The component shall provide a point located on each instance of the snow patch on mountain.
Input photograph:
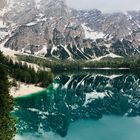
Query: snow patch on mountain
(112, 55)
(38, 3)
(3, 34)
(128, 16)
(2, 24)
(91, 34)
(31, 23)
(42, 52)
(36, 21)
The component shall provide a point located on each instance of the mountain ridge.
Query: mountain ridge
(52, 29)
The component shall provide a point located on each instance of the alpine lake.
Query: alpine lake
(86, 105)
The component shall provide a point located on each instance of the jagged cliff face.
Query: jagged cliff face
(117, 25)
(51, 29)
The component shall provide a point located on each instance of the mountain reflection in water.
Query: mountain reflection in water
(78, 96)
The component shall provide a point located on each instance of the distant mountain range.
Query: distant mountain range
(50, 28)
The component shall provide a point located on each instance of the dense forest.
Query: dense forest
(17, 71)
(132, 63)
(7, 123)
(22, 72)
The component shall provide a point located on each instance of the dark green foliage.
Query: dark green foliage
(65, 65)
(45, 78)
(19, 72)
(7, 123)
(24, 73)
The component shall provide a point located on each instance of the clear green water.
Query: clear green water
(84, 106)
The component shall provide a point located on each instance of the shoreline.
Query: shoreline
(24, 90)
(105, 68)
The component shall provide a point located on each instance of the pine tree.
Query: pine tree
(7, 124)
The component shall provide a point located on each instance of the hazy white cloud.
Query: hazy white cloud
(105, 5)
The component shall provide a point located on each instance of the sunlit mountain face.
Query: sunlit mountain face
(78, 96)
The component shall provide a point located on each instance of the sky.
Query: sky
(107, 6)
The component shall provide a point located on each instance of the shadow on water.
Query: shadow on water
(76, 96)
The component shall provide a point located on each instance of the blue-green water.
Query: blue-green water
(108, 128)
(91, 106)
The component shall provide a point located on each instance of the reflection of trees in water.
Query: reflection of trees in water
(57, 108)
(7, 124)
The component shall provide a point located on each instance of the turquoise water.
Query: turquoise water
(108, 128)
(91, 106)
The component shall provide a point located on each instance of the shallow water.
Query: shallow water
(97, 106)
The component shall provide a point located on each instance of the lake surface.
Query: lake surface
(82, 106)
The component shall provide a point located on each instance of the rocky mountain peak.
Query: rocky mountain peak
(54, 8)
(50, 28)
